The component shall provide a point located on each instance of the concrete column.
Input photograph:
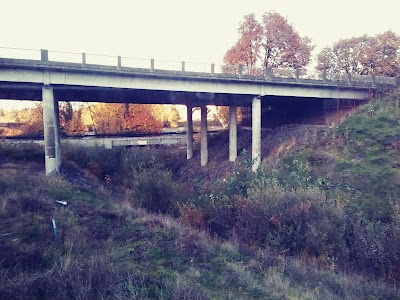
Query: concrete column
(52, 148)
(204, 144)
(189, 132)
(57, 132)
(256, 133)
(232, 133)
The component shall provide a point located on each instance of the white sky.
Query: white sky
(193, 31)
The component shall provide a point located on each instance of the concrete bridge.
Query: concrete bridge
(50, 81)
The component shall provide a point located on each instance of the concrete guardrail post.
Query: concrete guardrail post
(44, 55)
(119, 62)
(324, 75)
(83, 59)
(349, 78)
(152, 65)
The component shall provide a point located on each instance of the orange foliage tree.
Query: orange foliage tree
(32, 119)
(118, 118)
(71, 119)
(222, 114)
(275, 42)
(246, 51)
(364, 55)
(167, 114)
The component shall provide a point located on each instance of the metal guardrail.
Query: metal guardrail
(87, 59)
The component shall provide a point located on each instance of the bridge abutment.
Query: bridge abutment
(232, 133)
(51, 130)
(256, 133)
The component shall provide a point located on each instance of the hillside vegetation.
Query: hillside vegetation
(323, 222)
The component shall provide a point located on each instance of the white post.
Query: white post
(52, 148)
(204, 144)
(232, 133)
(189, 132)
(256, 134)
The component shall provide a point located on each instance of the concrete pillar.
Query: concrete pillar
(189, 132)
(256, 133)
(204, 144)
(232, 133)
(52, 147)
(58, 130)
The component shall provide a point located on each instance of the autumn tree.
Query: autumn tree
(246, 51)
(71, 122)
(139, 117)
(222, 115)
(119, 118)
(283, 46)
(32, 119)
(384, 55)
(364, 55)
(274, 43)
(167, 114)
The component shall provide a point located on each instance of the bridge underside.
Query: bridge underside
(276, 110)
(33, 92)
(267, 111)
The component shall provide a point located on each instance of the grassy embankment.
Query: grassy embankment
(303, 229)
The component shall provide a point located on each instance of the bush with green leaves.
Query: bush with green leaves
(153, 188)
(292, 221)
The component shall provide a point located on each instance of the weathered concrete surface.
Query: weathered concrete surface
(204, 137)
(189, 132)
(232, 133)
(51, 131)
(78, 82)
(256, 134)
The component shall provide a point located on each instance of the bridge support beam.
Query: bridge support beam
(204, 142)
(256, 134)
(52, 147)
(189, 132)
(232, 133)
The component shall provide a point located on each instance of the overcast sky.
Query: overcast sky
(196, 31)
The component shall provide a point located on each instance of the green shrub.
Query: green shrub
(154, 189)
(292, 221)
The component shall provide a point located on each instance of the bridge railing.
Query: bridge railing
(20, 53)
(153, 65)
